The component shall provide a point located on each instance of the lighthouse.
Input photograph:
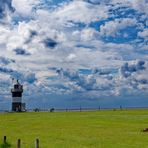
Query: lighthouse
(17, 91)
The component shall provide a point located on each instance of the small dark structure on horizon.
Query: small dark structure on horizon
(52, 110)
(17, 90)
(145, 130)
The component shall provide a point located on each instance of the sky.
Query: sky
(72, 53)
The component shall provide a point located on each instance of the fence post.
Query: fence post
(5, 139)
(80, 109)
(120, 107)
(19, 143)
(37, 143)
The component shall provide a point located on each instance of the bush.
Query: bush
(52, 110)
(5, 145)
(36, 109)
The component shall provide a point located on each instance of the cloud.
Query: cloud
(6, 9)
(25, 7)
(30, 78)
(21, 51)
(99, 45)
(6, 61)
(113, 28)
(71, 57)
(139, 5)
(77, 79)
(101, 71)
(106, 82)
(5, 70)
(50, 43)
(32, 35)
(77, 11)
(143, 34)
(98, 1)
(25, 77)
(127, 70)
(85, 83)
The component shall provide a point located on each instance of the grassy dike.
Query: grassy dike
(100, 129)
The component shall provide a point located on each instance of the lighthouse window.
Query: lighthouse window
(17, 94)
(16, 86)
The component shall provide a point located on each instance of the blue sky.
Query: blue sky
(71, 53)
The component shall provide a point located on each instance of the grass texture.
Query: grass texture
(90, 129)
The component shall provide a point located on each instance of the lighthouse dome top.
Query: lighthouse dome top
(17, 87)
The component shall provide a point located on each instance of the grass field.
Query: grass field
(93, 129)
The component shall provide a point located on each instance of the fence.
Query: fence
(81, 109)
(85, 109)
(18, 143)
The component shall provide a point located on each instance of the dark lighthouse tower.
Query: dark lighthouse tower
(17, 91)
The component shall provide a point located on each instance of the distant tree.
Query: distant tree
(52, 110)
(36, 110)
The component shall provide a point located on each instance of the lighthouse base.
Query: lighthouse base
(16, 107)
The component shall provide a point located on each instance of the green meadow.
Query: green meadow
(89, 129)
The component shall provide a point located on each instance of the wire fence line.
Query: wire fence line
(80, 109)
